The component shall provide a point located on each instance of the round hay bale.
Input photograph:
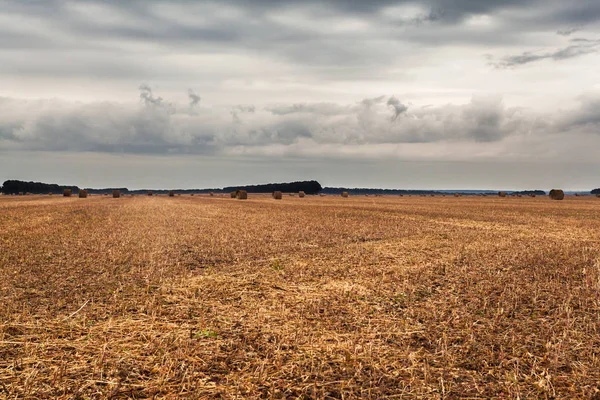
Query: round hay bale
(20, 193)
(322, 194)
(233, 195)
(502, 194)
(519, 195)
(557, 194)
(456, 194)
(241, 195)
(531, 194)
(344, 194)
(116, 194)
(212, 194)
(598, 195)
(171, 193)
(67, 193)
(149, 192)
(277, 195)
(83, 194)
(301, 194)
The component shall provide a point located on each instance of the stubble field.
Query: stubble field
(321, 297)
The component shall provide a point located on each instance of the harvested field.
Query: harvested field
(321, 297)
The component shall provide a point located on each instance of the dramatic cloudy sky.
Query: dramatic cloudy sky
(380, 93)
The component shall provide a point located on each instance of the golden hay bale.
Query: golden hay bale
(171, 193)
(67, 193)
(233, 195)
(116, 194)
(502, 194)
(519, 195)
(598, 195)
(241, 195)
(322, 194)
(344, 194)
(212, 194)
(456, 194)
(301, 194)
(277, 195)
(557, 194)
(49, 193)
(20, 193)
(83, 194)
(531, 194)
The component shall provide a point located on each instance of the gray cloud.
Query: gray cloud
(580, 47)
(398, 107)
(194, 98)
(52, 125)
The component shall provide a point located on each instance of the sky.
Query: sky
(424, 94)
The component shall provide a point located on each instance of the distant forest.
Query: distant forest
(309, 187)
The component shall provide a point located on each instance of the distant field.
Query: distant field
(321, 297)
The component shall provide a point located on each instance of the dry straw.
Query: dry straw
(116, 194)
(344, 194)
(557, 194)
(277, 195)
(83, 194)
(241, 195)
(67, 193)
(301, 194)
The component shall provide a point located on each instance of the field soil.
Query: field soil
(316, 297)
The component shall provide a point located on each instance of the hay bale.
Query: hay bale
(291, 194)
(456, 194)
(67, 193)
(171, 193)
(301, 194)
(557, 194)
(531, 194)
(277, 195)
(212, 194)
(116, 194)
(233, 195)
(502, 194)
(241, 195)
(598, 195)
(149, 192)
(20, 193)
(344, 194)
(322, 194)
(83, 194)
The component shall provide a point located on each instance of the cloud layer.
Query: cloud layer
(157, 126)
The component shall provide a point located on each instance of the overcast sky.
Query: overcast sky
(426, 94)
